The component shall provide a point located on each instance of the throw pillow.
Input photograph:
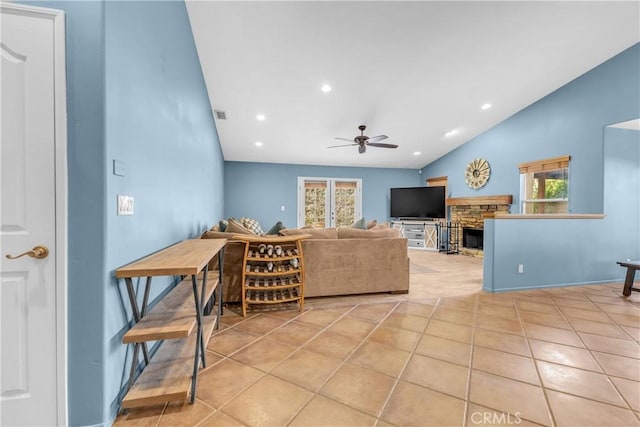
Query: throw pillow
(236, 227)
(252, 224)
(223, 224)
(372, 224)
(354, 233)
(277, 227)
(361, 224)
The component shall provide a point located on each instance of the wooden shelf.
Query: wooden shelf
(270, 239)
(548, 216)
(171, 373)
(257, 256)
(173, 317)
(184, 258)
(160, 326)
(505, 199)
(265, 284)
(181, 297)
(263, 271)
(273, 296)
(284, 283)
(168, 376)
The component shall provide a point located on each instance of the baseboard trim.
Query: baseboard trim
(556, 285)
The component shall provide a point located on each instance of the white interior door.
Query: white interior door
(30, 323)
(329, 202)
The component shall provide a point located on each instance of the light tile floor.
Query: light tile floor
(446, 354)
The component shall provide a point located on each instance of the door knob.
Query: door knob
(38, 252)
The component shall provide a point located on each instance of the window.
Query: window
(329, 202)
(544, 186)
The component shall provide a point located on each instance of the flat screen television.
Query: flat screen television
(418, 202)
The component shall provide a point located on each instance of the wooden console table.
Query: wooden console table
(632, 266)
(172, 373)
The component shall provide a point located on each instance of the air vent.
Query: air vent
(221, 115)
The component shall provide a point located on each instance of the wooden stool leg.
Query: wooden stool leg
(628, 281)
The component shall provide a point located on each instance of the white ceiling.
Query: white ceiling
(630, 124)
(410, 70)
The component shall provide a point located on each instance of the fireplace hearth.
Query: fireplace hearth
(470, 212)
(472, 238)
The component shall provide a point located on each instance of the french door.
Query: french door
(329, 202)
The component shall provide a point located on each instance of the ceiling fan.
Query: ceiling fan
(363, 140)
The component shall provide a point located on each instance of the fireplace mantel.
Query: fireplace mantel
(505, 199)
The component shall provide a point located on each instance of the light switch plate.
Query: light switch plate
(118, 167)
(125, 205)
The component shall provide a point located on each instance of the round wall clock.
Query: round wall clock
(477, 173)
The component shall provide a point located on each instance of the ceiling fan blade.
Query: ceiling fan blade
(343, 145)
(344, 139)
(377, 138)
(362, 149)
(377, 144)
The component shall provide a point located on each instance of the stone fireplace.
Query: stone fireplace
(470, 212)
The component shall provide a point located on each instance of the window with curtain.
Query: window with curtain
(544, 186)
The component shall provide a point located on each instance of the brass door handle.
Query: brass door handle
(38, 252)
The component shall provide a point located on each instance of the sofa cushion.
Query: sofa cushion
(277, 227)
(354, 233)
(223, 224)
(315, 233)
(371, 224)
(253, 225)
(236, 227)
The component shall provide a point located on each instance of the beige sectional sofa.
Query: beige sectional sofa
(341, 261)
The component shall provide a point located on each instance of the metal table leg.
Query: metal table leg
(196, 358)
(220, 285)
(137, 314)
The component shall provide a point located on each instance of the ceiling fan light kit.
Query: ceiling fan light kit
(362, 141)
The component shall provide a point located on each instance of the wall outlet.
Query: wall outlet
(282, 208)
(125, 205)
(520, 268)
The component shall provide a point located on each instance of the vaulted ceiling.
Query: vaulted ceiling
(414, 71)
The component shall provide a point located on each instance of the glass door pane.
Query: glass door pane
(316, 203)
(328, 202)
(345, 195)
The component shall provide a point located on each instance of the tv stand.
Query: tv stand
(420, 233)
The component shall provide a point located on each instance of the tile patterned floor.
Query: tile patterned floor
(446, 354)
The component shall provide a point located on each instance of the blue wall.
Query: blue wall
(135, 92)
(622, 191)
(569, 121)
(258, 190)
(160, 124)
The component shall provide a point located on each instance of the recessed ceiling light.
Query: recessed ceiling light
(485, 106)
(261, 117)
(259, 144)
(325, 88)
(451, 132)
(416, 153)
